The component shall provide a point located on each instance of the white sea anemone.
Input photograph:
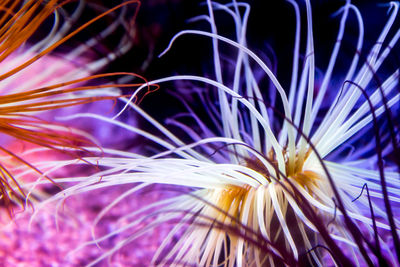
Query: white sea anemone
(262, 189)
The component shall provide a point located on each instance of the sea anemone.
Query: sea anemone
(51, 55)
(35, 78)
(309, 179)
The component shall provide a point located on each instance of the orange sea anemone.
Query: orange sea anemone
(34, 79)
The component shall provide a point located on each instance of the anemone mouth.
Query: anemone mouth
(231, 200)
(293, 169)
